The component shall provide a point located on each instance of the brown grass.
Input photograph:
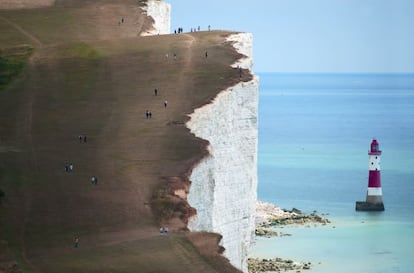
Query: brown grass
(102, 87)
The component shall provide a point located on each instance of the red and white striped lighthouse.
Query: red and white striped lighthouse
(374, 194)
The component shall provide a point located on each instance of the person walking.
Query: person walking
(156, 90)
(76, 245)
(165, 104)
(94, 180)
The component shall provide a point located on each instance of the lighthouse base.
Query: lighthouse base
(365, 206)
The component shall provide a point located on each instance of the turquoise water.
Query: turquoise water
(314, 135)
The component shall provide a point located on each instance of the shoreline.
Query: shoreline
(269, 215)
(268, 218)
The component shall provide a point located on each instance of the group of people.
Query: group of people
(94, 179)
(68, 167)
(195, 29)
(82, 138)
(121, 21)
(148, 113)
(168, 55)
(181, 30)
(164, 230)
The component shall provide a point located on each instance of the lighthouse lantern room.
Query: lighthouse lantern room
(373, 200)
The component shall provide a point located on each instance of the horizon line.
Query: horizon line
(337, 73)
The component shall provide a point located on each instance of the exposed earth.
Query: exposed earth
(71, 70)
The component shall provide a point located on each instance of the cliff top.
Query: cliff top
(76, 71)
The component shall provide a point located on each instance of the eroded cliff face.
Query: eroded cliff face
(224, 184)
(161, 13)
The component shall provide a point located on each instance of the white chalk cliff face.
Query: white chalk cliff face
(224, 184)
(161, 13)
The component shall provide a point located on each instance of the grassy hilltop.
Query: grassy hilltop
(70, 69)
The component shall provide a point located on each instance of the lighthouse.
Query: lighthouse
(373, 201)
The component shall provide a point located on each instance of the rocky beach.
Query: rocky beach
(256, 265)
(270, 218)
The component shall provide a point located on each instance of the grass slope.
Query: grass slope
(12, 62)
(102, 87)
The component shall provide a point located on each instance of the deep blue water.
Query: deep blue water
(314, 135)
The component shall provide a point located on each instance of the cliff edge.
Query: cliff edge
(224, 184)
(84, 72)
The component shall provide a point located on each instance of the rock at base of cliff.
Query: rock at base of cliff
(256, 265)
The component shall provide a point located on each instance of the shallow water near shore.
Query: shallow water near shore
(347, 245)
(314, 134)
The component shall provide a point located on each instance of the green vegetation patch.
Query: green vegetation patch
(83, 51)
(12, 62)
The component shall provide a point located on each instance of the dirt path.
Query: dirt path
(26, 133)
(36, 41)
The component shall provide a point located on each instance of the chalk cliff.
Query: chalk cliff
(160, 11)
(224, 184)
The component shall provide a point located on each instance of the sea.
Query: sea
(315, 131)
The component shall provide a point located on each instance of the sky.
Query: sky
(312, 36)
